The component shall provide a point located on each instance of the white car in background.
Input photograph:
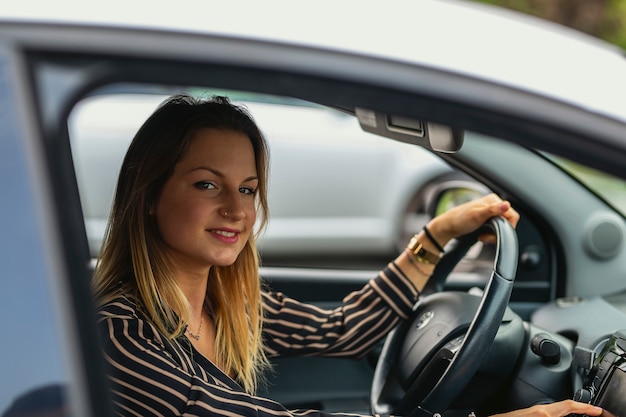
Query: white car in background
(343, 208)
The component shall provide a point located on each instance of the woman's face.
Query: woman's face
(206, 210)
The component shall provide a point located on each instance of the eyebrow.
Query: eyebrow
(221, 174)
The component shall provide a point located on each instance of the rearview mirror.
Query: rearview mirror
(429, 135)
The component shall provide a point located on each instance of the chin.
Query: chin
(225, 260)
(223, 264)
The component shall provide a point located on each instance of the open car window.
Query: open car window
(337, 214)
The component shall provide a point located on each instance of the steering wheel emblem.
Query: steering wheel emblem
(424, 319)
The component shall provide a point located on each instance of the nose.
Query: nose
(232, 206)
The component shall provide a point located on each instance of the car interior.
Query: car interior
(533, 318)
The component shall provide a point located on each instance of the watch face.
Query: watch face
(424, 255)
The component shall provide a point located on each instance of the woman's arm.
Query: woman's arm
(365, 317)
(351, 330)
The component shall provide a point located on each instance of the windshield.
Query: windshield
(610, 188)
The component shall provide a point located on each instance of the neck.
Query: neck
(194, 287)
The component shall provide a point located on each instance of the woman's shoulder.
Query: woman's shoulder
(122, 326)
(121, 306)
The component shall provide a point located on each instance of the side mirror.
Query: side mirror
(429, 135)
(454, 196)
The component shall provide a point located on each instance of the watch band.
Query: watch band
(421, 253)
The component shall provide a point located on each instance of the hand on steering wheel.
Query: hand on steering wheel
(467, 217)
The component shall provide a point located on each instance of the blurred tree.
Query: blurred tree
(605, 19)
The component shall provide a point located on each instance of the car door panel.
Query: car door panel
(330, 384)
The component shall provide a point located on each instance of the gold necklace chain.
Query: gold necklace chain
(192, 334)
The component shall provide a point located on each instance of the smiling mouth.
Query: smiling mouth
(224, 233)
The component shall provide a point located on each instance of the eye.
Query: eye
(247, 190)
(204, 185)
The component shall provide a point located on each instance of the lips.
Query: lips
(226, 236)
(224, 233)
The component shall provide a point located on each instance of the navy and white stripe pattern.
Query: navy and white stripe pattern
(151, 376)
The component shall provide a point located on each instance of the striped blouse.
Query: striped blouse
(152, 376)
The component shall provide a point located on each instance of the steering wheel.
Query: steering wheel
(428, 359)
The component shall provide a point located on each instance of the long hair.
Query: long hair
(132, 251)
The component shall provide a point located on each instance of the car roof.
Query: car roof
(470, 39)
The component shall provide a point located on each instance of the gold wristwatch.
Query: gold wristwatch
(421, 253)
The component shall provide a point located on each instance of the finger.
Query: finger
(557, 409)
(563, 408)
(488, 238)
(512, 217)
(504, 209)
(499, 208)
(508, 212)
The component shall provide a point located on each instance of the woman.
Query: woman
(186, 327)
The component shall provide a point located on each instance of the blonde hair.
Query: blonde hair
(132, 261)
